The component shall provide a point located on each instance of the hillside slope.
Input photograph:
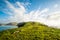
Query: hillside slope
(31, 31)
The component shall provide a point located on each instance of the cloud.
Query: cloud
(19, 15)
(45, 10)
(54, 19)
(54, 15)
(56, 5)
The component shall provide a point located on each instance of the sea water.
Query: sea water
(7, 27)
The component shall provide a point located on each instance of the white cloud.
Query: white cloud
(56, 5)
(45, 10)
(54, 15)
(18, 15)
(54, 19)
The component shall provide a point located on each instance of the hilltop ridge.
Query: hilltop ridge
(31, 31)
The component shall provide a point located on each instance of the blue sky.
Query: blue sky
(45, 11)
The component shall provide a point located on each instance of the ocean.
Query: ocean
(7, 27)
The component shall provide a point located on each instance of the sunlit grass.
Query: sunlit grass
(31, 31)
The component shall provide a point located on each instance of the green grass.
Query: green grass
(31, 31)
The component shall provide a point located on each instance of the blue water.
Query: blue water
(6, 27)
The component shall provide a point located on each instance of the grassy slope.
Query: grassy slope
(31, 31)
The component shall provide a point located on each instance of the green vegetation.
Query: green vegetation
(31, 31)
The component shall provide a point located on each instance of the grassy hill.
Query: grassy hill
(31, 31)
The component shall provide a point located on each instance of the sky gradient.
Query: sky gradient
(44, 11)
